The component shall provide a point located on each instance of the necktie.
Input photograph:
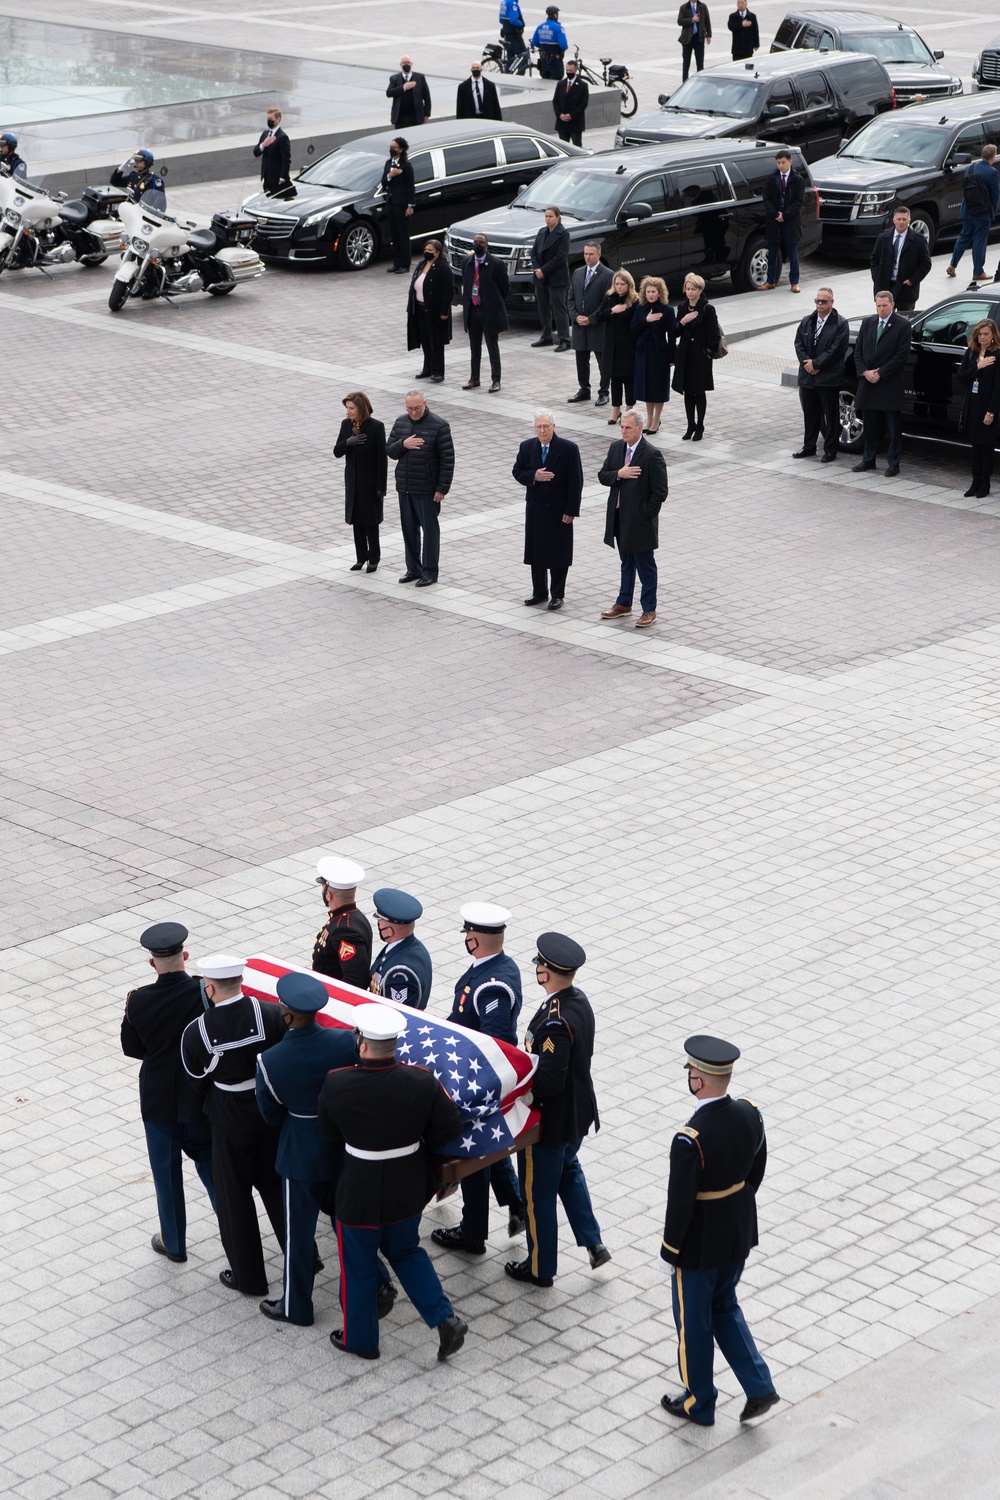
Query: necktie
(475, 286)
(880, 330)
(784, 183)
(897, 246)
(587, 278)
(475, 90)
(545, 453)
(628, 460)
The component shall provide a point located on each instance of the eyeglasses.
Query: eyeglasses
(822, 301)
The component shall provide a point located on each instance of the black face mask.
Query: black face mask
(428, 255)
(480, 248)
(272, 124)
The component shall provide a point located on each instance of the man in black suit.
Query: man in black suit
(275, 152)
(550, 261)
(900, 260)
(880, 357)
(570, 104)
(821, 349)
(636, 472)
(587, 289)
(696, 30)
(551, 470)
(783, 195)
(477, 97)
(411, 98)
(745, 31)
(485, 288)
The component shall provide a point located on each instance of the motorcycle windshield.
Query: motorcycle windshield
(156, 199)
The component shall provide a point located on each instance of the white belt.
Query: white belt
(237, 1088)
(383, 1155)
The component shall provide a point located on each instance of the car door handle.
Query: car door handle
(437, 194)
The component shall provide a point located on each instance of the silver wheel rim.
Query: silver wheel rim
(757, 266)
(359, 246)
(922, 227)
(851, 423)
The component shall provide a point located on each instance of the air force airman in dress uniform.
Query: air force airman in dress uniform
(219, 1051)
(402, 971)
(487, 999)
(717, 1163)
(561, 1035)
(343, 946)
(154, 1020)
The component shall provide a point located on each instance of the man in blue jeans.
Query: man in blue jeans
(783, 195)
(636, 474)
(421, 446)
(980, 197)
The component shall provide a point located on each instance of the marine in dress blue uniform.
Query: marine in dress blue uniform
(343, 946)
(172, 1112)
(561, 1035)
(717, 1163)
(487, 999)
(402, 971)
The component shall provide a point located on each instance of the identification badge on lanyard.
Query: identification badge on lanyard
(975, 387)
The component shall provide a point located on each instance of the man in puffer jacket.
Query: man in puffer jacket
(421, 446)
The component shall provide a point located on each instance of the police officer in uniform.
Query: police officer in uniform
(136, 175)
(343, 946)
(717, 1163)
(552, 42)
(512, 33)
(487, 999)
(561, 1035)
(11, 165)
(154, 1021)
(402, 971)
(387, 1117)
(219, 1051)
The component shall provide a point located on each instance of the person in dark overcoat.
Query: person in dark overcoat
(636, 474)
(654, 325)
(745, 31)
(275, 152)
(900, 260)
(615, 316)
(569, 103)
(361, 441)
(400, 191)
(698, 337)
(410, 95)
(428, 311)
(485, 288)
(550, 269)
(783, 195)
(979, 374)
(880, 356)
(587, 287)
(551, 471)
(477, 97)
(821, 342)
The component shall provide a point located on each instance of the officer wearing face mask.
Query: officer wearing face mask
(485, 289)
(477, 97)
(275, 152)
(402, 971)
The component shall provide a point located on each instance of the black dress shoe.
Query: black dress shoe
(387, 1295)
(422, 375)
(520, 1270)
(454, 1239)
(758, 1405)
(372, 568)
(228, 1279)
(409, 578)
(555, 604)
(542, 344)
(356, 567)
(563, 345)
(542, 598)
(495, 386)
(863, 467)
(982, 492)
(161, 1249)
(436, 379)
(603, 399)
(337, 1340)
(805, 453)
(675, 1406)
(599, 1256)
(892, 471)
(969, 492)
(426, 583)
(828, 458)
(515, 1223)
(317, 1263)
(451, 1334)
(581, 395)
(274, 1310)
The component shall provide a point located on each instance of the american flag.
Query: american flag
(486, 1078)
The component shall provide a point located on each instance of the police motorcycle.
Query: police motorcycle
(166, 258)
(39, 229)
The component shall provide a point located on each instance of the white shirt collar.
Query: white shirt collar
(221, 1004)
(389, 946)
(714, 1100)
(487, 960)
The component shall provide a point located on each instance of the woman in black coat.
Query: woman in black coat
(428, 311)
(698, 337)
(654, 326)
(400, 195)
(618, 357)
(979, 373)
(361, 441)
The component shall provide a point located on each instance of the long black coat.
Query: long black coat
(550, 254)
(914, 264)
(696, 343)
(465, 104)
(438, 291)
(654, 351)
(638, 518)
(366, 472)
(548, 540)
(494, 288)
(746, 39)
(571, 101)
(619, 337)
(888, 357)
(986, 399)
(795, 196)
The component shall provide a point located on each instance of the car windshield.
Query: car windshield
(705, 95)
(346, 168)
(576, 192)
(905, 145)
(890, 47)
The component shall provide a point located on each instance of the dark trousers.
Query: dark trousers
(400, 235)
(366, 544)
(550, 63)
(877, 422)
(618, 382)
(304, 1202)
(706, 1313)
(419, 513)
(695, 406)
(982, 465)
(167, 1144)
(240, 1163)
(477, 333)
(359, 1277)
(430, 343)
(552, 307)
(643, 563)
(513, 40)
(583, 372)
(779, 251)
(697, 46)
(476, 1197)
(974, 232)
(570, 130)
(821, 413)
(545, 1174)
(540, 581)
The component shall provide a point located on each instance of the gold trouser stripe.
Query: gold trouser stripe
(682, 1358)
(723, 1193)
(529, 1203)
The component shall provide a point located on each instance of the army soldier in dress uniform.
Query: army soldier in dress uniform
(717, 1162)
(343, 946)
(402, 971)
(561, 1035)
(387, 1117)
(487, 999)
(154, 1020)
(219, 1051)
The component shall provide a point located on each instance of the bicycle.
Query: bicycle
(495, 60)
(615, 75)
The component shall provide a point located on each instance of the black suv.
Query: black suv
(664, 210)
(986, 68)
(915, 155)
(807, 99)
(912, 67)
(338, 212)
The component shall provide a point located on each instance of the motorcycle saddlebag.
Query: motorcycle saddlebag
(234, 228)
(243, 263)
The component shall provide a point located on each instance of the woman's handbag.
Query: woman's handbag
(722, 349)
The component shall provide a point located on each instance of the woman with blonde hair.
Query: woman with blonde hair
(654, 326)
(361, 442)
(698, 339)
(979, 373)
(618, 358)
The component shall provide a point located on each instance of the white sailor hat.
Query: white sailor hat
(378, 1023)
(338, 873)
(484, 916)
(220, 966)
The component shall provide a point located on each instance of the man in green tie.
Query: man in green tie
(880, 357)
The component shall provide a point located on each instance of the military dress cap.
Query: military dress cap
(220, 966)
(302, 992)
(339, 874)
(396, 906)
(484, 916)
(710, 1054)
(164, 939)
(378, 1023)
(558, 952)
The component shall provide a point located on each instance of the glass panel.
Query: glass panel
(474, 156)
(347, 168)
(890, 47)
(716, 96)
(891, 139)
(652, 192)
(697, 185)
(815, 91)
(520, 148)
(423, 166)
(782, 93)
(952, 324)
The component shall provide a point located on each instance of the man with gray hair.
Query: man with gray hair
(420, 445)
(821, 349)
(551, 470)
